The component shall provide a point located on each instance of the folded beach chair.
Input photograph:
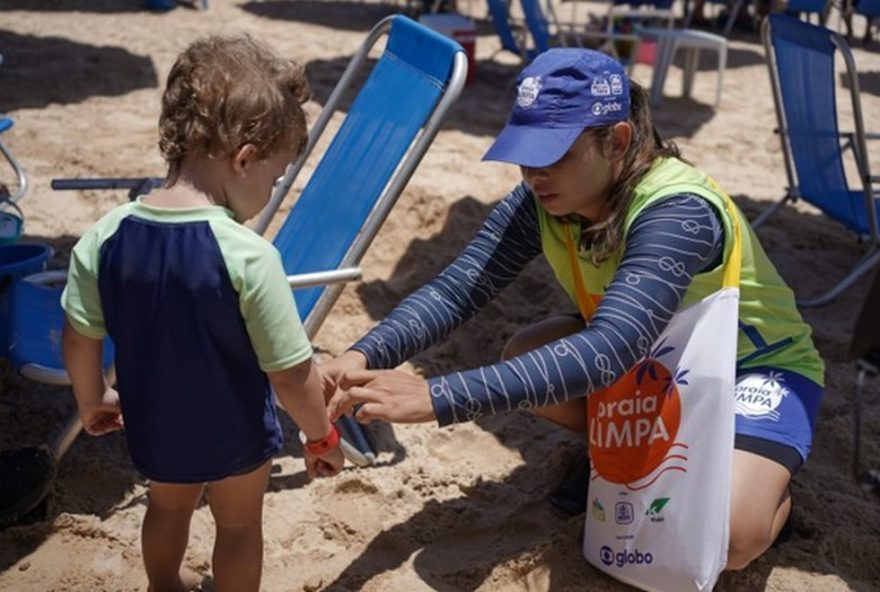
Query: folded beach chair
(387, 130)
(801, 62)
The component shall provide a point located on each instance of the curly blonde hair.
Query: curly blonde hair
(225, 92)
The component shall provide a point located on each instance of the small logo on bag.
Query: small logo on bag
(622, 558)
(653, 511)
(623, 513)
(598, 510)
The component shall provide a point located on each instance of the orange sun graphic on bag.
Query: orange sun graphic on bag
(634, 422)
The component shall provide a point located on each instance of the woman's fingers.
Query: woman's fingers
(343, 402)
(358, 378)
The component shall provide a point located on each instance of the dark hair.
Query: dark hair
(646, 146)
(225, 92)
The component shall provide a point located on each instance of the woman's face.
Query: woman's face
(579, 182)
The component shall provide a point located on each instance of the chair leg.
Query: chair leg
(866, 264)
(868, 480)
(863, 368)
(731, 19)
(722, 65)
(691, 61)
(763, 216)
(665, 50)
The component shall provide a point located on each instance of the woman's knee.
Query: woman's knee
(759, 506)
(540, 333)
(747, 543)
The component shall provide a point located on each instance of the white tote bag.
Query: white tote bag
(661, 448)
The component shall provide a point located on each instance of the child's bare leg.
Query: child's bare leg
(237, 505)
(165, 533)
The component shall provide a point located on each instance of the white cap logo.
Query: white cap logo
(600, 87)
(616, 84)
(528, 91)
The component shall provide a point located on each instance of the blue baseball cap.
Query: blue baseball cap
(560, 94)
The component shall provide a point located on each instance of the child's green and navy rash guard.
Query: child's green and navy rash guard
(198, 308)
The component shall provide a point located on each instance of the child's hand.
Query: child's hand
(324, 465)
(332, 371)
(105, 417)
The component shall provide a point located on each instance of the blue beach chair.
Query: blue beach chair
(384, 136)
(801, 62)
(372, 156)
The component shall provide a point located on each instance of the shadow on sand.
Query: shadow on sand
(68, 72)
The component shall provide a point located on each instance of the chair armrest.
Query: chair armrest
(321, 278)
(868, 135)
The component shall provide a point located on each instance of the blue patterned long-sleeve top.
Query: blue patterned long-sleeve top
(562, 369)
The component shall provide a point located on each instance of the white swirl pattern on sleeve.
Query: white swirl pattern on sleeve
(666, 246)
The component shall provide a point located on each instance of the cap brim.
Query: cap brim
(532, 146)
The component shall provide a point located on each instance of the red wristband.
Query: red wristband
(325, 444)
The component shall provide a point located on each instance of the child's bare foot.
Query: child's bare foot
(188, 580)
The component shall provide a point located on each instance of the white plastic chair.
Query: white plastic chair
(669, 41)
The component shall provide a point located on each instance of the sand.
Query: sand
(462, 508)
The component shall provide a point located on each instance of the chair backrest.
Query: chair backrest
(801, 62)
(500, 16)
(868, 8)
(371, 157)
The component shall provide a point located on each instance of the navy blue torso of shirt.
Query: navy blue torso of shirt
(197, 407)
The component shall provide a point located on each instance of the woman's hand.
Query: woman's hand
(333, 371)
(383, 394)
(104, 417)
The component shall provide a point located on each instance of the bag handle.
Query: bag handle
(732, 269)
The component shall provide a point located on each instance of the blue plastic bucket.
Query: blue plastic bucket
(17, 261)
(35, 328)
